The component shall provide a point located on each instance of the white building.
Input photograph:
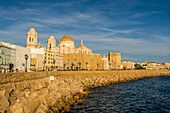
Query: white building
(20, 58)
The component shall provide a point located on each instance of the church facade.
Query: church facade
(80, 58)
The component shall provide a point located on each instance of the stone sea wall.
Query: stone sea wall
(34, 92)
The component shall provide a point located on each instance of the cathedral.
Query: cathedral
(78, 58)
(67, 46)
(66, 56)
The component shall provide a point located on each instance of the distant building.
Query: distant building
(128, 65)
(80, 57)
(58, 61)
(114, 60)
(20, 58)
(8, 55)
(154, 65)
(42, 58)
(84, 61)
(67, 46)
(105, 63)
(37, 58)
(13, 56)
(167, 65)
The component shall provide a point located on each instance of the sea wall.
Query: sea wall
(34, 92)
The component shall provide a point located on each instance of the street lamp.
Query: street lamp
(86, 65)
(79, 65)
(44, 64)
(26, 58)
(54, 63)
(97, 66)
(72, 65)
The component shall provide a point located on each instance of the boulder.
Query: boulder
(16, 108)
(4, 102)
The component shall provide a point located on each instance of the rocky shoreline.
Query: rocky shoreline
(36, 93)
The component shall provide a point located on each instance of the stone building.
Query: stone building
(20, 58)
(78, 58)
(67, 46)
(31, 38)
(58, 64)
(7, 55)
(42, 58)
(37, 58)
(114, 60)
(128, 65)
(83, 61)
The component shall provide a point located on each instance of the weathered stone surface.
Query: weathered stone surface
(42, 109)
(27, 92)
(32, 104)
(26, 109)
(16, 108)
(4, 102)
(2, 92)
(21, 86)
(3, 109)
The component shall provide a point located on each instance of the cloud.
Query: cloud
(139, 14)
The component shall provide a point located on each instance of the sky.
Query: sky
(138, 29)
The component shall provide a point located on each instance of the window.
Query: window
(5, 61)
(30, 39)
(50, 46)
(2, 61)
(2, 51)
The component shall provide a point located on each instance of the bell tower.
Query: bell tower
(31, 38)
(51, 44)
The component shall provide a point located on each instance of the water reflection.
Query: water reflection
(144, 95)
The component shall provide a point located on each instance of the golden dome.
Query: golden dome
(66, 38)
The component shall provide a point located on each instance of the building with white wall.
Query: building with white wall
(20, 58)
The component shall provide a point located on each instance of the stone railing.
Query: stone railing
(34, 92)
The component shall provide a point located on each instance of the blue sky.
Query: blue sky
(138, 29)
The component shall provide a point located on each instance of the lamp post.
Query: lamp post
(110, 66)
(44, 64)
(72, 64)
(97, 66)
(79, 65)
(26, 58)
(86, 65)
(54, 63)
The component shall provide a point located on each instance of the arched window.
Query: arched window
(30, 39)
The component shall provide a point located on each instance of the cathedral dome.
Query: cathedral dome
(66, 41)
(66, 38)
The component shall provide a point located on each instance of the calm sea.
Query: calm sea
(148, 95)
